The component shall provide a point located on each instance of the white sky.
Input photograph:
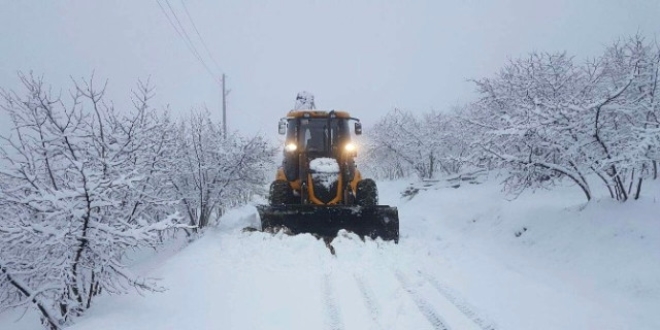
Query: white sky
(364, 56)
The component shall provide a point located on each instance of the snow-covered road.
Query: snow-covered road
(259, 281)
(467, 259)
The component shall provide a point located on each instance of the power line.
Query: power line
(181, 31)
(200, 35)
(192, 45)
(183, 35)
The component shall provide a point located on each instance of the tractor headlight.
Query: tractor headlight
(290, 147)
(350, 147)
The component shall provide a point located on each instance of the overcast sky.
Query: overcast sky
(364, 56)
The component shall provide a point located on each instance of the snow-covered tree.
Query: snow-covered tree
(401, 144)
(544, 118)
(396, 144)
(527, 120)
(625, 125)
(77, 191)
(214, 172)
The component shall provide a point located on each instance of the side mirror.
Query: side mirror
(358, 128)
(281, 127)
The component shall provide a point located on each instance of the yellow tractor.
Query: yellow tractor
(318, 188)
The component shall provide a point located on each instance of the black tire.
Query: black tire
(366, 193)
(280, 193)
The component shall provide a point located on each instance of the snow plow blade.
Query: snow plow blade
(365, 221)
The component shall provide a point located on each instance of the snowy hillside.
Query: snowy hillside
(467, 259)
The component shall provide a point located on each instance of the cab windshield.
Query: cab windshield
(321, 134)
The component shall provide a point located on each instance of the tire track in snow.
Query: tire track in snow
(332, 310)
(424, 306)
(460, 303)
(369, 301)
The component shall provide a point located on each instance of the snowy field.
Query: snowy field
(468, 258)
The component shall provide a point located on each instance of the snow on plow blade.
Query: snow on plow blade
(365, 221)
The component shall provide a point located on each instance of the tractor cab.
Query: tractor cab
(318, 133)
(312, 134)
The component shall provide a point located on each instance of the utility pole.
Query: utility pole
(224, 107)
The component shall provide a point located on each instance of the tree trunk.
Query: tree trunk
(639, 189)
(620, 187)
(607, 184)
(632, 180)
(431, 165)
(53, 322)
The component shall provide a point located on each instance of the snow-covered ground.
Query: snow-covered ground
(467, 259)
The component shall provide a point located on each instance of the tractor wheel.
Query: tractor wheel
(280, 193)
(366, 193)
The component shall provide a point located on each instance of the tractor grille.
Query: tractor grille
(325, 192)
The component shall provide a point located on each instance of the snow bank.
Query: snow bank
(544, 260)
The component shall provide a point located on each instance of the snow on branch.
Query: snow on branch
(542, 118)
(81, 183)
